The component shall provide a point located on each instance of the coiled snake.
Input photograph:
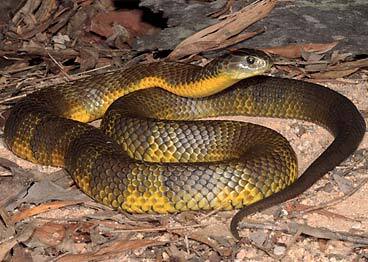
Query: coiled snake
(163, 165)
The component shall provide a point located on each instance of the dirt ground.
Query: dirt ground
(45, 217)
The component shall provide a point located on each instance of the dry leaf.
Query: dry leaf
(177, 254)
(208, 235)
(292, 71)
(315, 67)
(342, 70)
(296, 50)
(88, 58)
(51, 234)
(215, 35)
(7, 245)
(334, 74)
(351, 65)
(311, 57)
(336, 57)
(41, 209)
(102, 24)
(45, 190)
(21, 254)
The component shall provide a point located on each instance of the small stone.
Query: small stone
(344, 184)
(60, 41)
(165, 256)
(356, 225)
(279, 250)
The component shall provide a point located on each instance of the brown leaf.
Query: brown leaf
(292, 71)
(7, 245)
(43, 14)
(351, 65)
(341, 70)
(41, 209)
(50, 234)
(102, 24)
(315, 67)
(88, 58)
(21, 254)
(207, 236)
(45, 11)
(337, 57)
(311, 57)
(176, 254)
(122, 245)
(228, 28)
(296, 50)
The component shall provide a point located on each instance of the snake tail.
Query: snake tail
(316, 104)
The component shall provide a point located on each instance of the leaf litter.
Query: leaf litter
(46, 217)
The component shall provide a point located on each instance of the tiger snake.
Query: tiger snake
(152, 155)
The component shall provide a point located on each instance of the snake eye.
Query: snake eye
(250, 60)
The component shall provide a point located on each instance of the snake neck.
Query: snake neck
(181, 79)
(184, 80)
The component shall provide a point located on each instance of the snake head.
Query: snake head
(244, 63)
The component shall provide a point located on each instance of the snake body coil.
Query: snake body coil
(223, 164)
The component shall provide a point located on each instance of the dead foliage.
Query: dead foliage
(44, 217)
(226, 32)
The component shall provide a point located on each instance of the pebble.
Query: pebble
(356, 225)
(279, 250)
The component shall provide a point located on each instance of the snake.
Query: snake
(156, 151)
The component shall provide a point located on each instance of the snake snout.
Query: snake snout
(246, 63)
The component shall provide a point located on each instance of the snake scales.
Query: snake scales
(168, 165)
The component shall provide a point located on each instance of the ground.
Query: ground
(44, 216)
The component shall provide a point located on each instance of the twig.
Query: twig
(334, 81)
(210, 214)
(92, 70)
(10, 99)
(291, 242)
(336, 200)
(263, 249)
(203, 239)
(61, 67)
(318, 232)
(4, 217)
(155, 229)
(296, 63)
(186, 241)
(22, 69)
(37, 81)
(296, 209)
